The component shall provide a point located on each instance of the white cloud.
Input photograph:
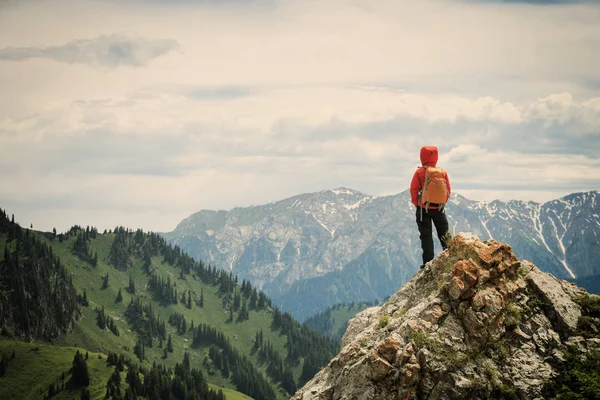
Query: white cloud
(307, 106)
(508, 170)
(265, 101)
(104, 51)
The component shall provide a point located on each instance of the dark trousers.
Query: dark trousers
(426, 235)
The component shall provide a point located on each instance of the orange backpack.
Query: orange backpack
(435, 190)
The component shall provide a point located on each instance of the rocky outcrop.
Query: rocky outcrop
(475, 323)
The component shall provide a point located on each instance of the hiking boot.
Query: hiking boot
(447, 239)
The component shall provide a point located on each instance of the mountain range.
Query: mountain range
(315, 250)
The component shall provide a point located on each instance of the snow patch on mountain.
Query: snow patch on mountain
(374, 240)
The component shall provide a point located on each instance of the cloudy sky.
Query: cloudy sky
(141, 112)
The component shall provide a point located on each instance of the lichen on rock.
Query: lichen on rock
(476, 323)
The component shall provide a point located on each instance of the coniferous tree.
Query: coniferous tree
(85, 394)
(105, 282)
(182, 382)
(144, 321)
(114, 384)
(101, 318)
(225, 369)
(147, 259)
(119, 251)
(3, 364)
(236, 301)
(201, 298)
(139, 350)
(243, 314)
(120, 366)
(189, 301)
(131, 287)
(170, 345)
(133, 379)
(79, 371)
(112, 326)
(37, 297)
(119, 297)
(253, 299)
(262, 300)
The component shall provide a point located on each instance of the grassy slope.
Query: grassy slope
(38, 365)
(88, 335)
(230, 394)
(339, 317)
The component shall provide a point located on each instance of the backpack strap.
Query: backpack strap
(421, 192)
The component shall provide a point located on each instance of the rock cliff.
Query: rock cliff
(475, 323)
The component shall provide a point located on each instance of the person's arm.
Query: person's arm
(415, 187)
(448, 185)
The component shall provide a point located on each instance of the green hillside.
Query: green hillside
(333, 321)
(36, 366)
(139, 297)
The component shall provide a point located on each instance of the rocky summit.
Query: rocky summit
(475, 323)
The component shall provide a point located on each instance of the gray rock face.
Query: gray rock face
(357, 324)
(315, 250)
(476, 323)
(557, 293)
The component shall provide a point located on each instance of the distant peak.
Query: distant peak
(345, 191)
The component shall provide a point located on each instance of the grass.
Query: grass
(333, 322)
(588, 324)
(86, 333)
(37, 365)
(513, 315)
(340, 317)
(452, 358)
(383, 321)
(419, 339)
(590, 305)
(588, 327)
(579, 379)
(230, 394)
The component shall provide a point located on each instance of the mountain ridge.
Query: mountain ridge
(129, 295)
(325, 235)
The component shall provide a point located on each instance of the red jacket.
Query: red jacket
(429, 157)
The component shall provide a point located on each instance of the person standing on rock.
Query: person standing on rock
(430, 191)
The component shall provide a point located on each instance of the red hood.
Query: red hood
(429, 156)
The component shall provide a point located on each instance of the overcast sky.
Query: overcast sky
(141, 112)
